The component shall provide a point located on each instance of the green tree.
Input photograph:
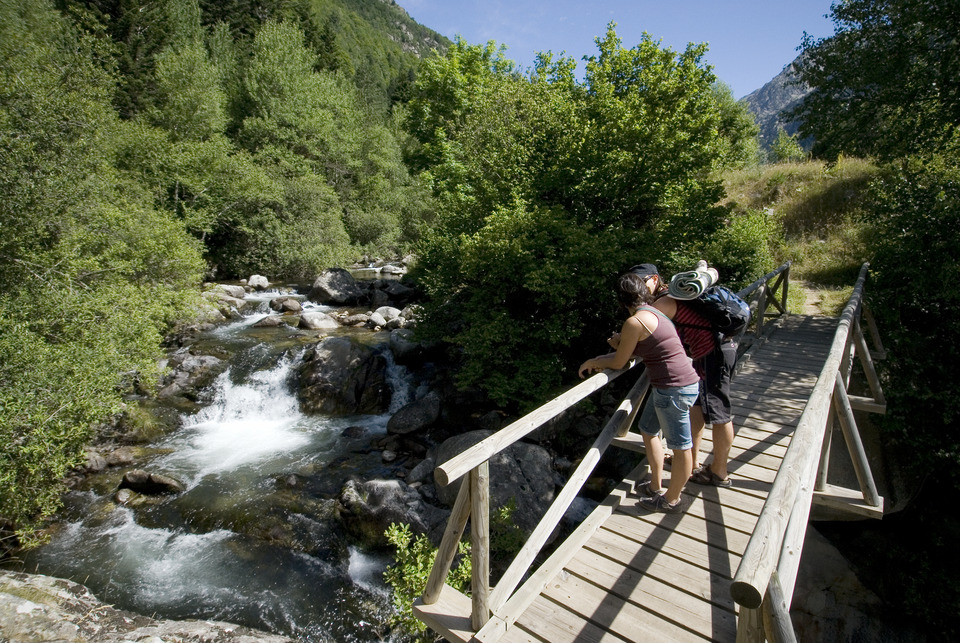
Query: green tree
(886, 83)
(190, 103)
(786, 147)
(915, 269)
(308, 122)
(546, 187)
(91, 274)
(738, 128)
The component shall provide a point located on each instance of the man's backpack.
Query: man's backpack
(727, 313)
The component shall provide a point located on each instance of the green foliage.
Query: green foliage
(191, 102)
(547, 187)
(408, 576)
(884, 84)
(787, 148)
(738, 128)
(741, 251)
(915, 272)
(517, 294)
(91, 273)
(506, 536)
(305, 122)
(650, 138)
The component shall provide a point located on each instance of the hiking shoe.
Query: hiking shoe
(643, 488)
(659, 503)
(707, 477)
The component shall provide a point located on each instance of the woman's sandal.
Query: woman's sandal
(706, 476)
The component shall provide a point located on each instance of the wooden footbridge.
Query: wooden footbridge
(724, 570)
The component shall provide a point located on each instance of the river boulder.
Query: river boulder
(188, 373)
(367, 509)
(336, 286)
(258, 282)
(35, 609)
(416, 416)
(149, 484)
(522, 472)
(340, 376)
(317, 321)
(286, 305)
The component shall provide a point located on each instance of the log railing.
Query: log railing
(493, 610)
(764, 581)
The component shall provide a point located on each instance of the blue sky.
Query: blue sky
(750, 40)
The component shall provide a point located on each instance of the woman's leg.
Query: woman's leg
(654, 449)
(679, 473)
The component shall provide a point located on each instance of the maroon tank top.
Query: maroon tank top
(662, 353)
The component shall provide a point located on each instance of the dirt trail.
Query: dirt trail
(812, 299)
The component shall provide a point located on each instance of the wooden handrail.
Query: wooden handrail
(620, 421)
(459, 465)
(798, 469)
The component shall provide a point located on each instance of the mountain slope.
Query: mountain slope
(767, 103)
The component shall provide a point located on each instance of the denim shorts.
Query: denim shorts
(668, 410)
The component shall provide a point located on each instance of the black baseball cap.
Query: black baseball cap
(645, 270)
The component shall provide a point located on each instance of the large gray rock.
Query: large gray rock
(35, 609)
(286, 305)
(189, 373)
(149, 484)
(336, 286)
(397, 293)
(368, 508)
(522, 472)
(317, 321)
(237, 292)
(258, 282)
(416, 416)
(340, 377)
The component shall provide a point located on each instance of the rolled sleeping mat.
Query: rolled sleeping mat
(692, 283)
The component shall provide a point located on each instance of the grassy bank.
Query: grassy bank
(817, 210)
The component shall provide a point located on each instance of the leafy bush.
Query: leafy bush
(915, 277)
(91, 273)
(740, 251)
(409, 573)
(516, 297)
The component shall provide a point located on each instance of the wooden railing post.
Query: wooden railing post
(777, 626)
(866, 361)
(824, 470)
(854, 444)
(761, 309)
(448, 546)
(786, 286)
(480, 550)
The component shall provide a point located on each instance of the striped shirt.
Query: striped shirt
(695, 332)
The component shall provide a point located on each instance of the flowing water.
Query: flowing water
(252, 539)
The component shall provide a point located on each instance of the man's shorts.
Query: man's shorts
(716, 371)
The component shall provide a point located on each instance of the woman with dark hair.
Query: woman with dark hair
(649, 334)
